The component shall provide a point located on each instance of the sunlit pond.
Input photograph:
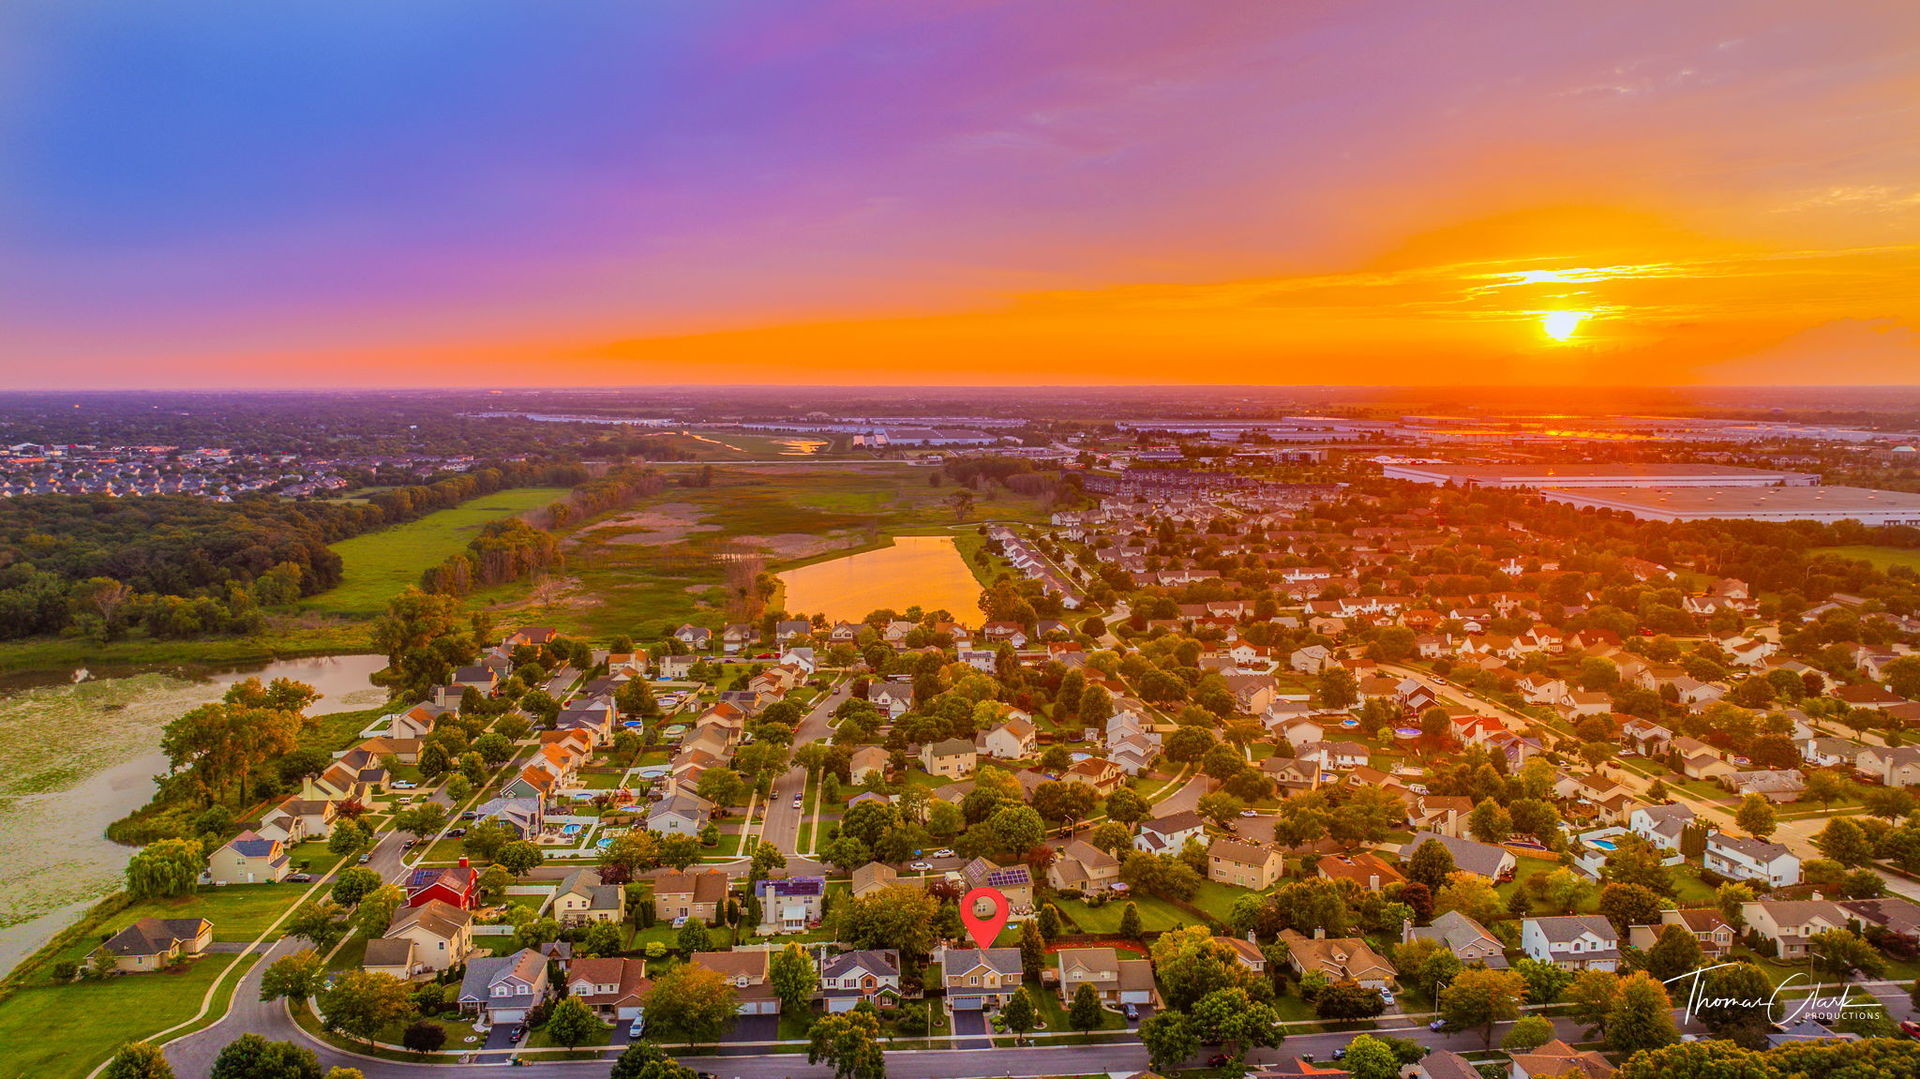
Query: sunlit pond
(917, 570)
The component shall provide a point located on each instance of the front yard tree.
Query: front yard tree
(572, 1022)
(427, 1036)
(1220, 807)
(422, 820)
(1527, 1032)
(1431, 865)
(1370, 1058)
(319, 923)
(645, 1060)
(377, 908)
(1642, 1017)
(353, 884)
(1845, 842)
(1840, 953)
(1676, 952)
(1481, 998)
(1126, 806)
(793, 977)
(1593, 994)
(1084, 1014)
(1234, 1019)
(692, 1003)
(628, 856)
(295, 977)
(361, 1003)
(519, 857)
(1170, 1039)
(251, 1056)
(766, 859)
(168, 867)
(678, 851)
(1756, 816)
(139, 1060)
(1018, 1015)
(485, 839)
(850, 1042)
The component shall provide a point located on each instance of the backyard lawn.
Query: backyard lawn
(239, 912)
(64, 1031)
(1155, 914)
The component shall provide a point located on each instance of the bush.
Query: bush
(423, 1036)
(65, 970)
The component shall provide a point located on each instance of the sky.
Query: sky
(960, 192)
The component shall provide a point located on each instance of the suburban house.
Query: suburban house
(1338, 958)
(872, 877)
(1472, 856)
(1707, 925)
(613, 987)
(1169, 834)
(848, 978)
(157, 943)
(1558, 1060)
(581, 898)
(395, 956)
(791, 905)
(1572, 942)
(1365, 868)
(1442, 1064)
(1661, 825)
(678, 894)
(1791, 923)
(1746, 858)
(454, 885)
(680, 813)
(1104, 776)
(949, 758)
(748, 973)
(1445, 814)
(978, 978)
(526, 816)
(1466, 938)
(441, 934)
(1117, 980)
(869, 759)
(1082, 867)
(891, 699)
(504, 988)
(1230, 861)
(1010, 740)
(1776, 785)
(298, 819)
(1896, 767)
(248, 858)
(1014, 881)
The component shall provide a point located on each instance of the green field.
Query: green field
(1882, 558)
(380, 564)
(63, 1031)
(658, 563)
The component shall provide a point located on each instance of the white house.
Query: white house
(1572, 942)
(1743, 858)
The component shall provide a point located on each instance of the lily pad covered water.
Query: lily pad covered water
(75, 758)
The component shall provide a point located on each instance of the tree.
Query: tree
(766, 859)
(1234, 1019)
(1676, 952)
(1756, 816)
(1840, 953)
(850, 1042)
(1731, 897)
(1845, 842)
(138, 1060)
(1084, 1014)
(1126, 806)
(353, 884)
(1528, 1032)
(645, 1060)
(1490, 822)
(1593, 994)
(1370, 1058)
(1130, 927)
(1730, 995)
(630, 855)
(1220, 807)
(679, 851)
(167, 867)
(1628, 905)
(896, 916)
(793, 977)
(421, 821)
(1545, 981)
(319, 923)
(519, 857)
(693, 938)
(1826, 787)
(1481, 998)
(1348, 999)
(1472, 895)
(377, 909)
(251, 1056)
(1336, 689)
(1642, 1015)
(692, 1002)
(1018, 1015)
(572, 1022)
(295, 977)
(1170, 1039)
(347, 837)
(426, 1036)
(360, 1003)
(1431, 865)
(1033, 951)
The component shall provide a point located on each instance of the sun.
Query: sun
(1561, 325)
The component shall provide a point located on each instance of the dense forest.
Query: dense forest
(178, 566)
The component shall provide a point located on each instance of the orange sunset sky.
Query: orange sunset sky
(960, 192)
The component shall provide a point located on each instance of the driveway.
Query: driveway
(755, 1028)
(971, 1023)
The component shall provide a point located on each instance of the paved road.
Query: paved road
(782, 825)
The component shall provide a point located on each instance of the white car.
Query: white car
(943, 852)
(404, 784)
(1248, 813)
(1386, 995)
(638, 1027)
(920, 867)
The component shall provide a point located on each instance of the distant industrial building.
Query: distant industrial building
(1823, 504)
(1598, 475)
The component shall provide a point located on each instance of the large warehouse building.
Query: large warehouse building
(1824, 504)
(1598, 475)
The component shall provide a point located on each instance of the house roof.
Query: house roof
(457, 878)
(389, 952)
(156, 936)
(883, 962)
(1557, 1058)
(1474, 857)
(958, 961)
(1232, 850)
(436, 916)
(1568, 927)
(1339, 957)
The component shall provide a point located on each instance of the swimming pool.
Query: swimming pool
(603, 844)
(1603, 844)
(572, 829)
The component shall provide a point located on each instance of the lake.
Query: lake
(926, 571)
(76, 758)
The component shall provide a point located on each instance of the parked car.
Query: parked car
(1386, 995)
(300, 878)
(1248, 813)
(365, 858)
(1217, 1060)
(1910, 1028)
(404, 784)
(920, 867)
(638, 1026)
(1132, 1012)
(943, 852)
(1437, 1025)
(456, 833)
(1340, 1053)
(519, 1033)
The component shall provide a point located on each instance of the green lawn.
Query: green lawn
(64, 1031)
(1217, 899)
(1155, 914)
(1882, 558)
(239, 912)
(380, 564)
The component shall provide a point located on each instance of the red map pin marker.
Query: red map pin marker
(985, 930)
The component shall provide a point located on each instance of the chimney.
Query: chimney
(1319, 932)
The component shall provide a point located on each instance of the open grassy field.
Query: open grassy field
(1882, 558)
(382, 563)
(63, 1031)
(665, 561)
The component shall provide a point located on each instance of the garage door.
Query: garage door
(968, 1004)
(760, 1007)
(508, 1015)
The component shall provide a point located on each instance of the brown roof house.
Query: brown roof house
(441, 935)
(748, 973)
(678, 894)
(1082, 867)
(157, 943)
(1338, 958)
(613, 987)
(1230, 861)
(1108, 973)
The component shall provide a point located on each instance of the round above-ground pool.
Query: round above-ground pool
(1406, 734)
(1349, 723)
(1078, 757)
(652, 771)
